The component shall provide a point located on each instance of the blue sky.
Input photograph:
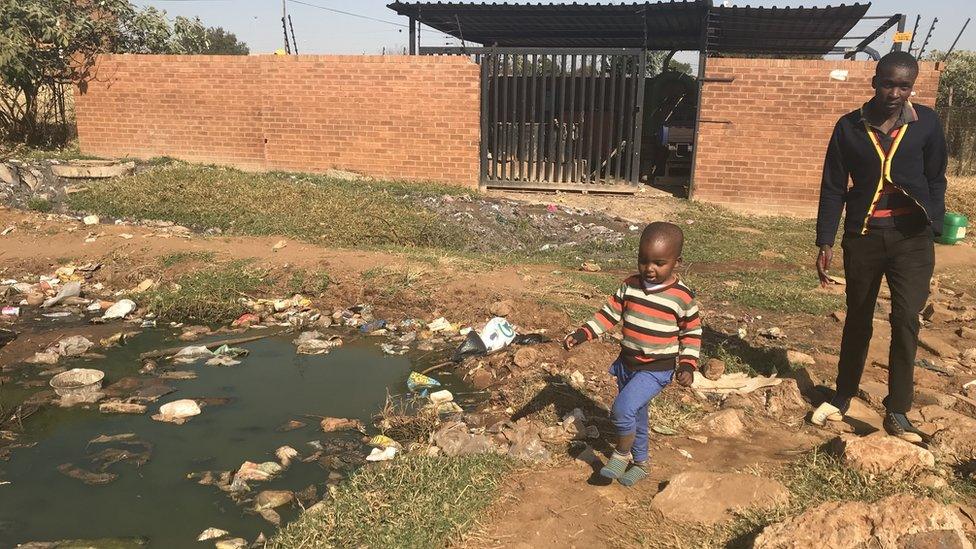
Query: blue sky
(258, 22)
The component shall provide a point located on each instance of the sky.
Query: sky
(369, 27)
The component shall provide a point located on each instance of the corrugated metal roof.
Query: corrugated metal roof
(651, 25)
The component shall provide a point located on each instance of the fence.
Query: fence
(960, 129)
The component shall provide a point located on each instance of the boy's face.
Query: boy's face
(892, 87)
(656, 260)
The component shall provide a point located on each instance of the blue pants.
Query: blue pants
(629, 412)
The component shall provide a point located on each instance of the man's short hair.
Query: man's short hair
(895, 60)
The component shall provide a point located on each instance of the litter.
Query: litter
(222, 360)
(48, 358)
(383, 441)
(395, 350)
(71, 289)
(372, 326)
(78, 383)
(385, 454)
(60, 314)
(212, 533)
(497, 334)
(72, 346)
(418, 382)
(246, 319)
(285, 454)
(178, 411)
(191, 354)
(10, 311)
(143, 286)
(441, 397)
(685, 453)
(121, 309)
(440, 325)
(116, 406)
(332, 424)
(318, 346)
(257, 472)
(233, 352)
(739, 382)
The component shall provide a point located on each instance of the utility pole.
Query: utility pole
(284, 24)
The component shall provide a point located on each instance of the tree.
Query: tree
(150, 31)
(45, 45)
(959, 76)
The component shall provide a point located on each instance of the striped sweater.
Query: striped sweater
(661, 328)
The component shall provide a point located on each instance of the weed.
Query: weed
(207, 295)
(305, 282)
(175, 258)
(38, 204)
(418, 501)
(788, 290)
(961, 196)
(667, 411)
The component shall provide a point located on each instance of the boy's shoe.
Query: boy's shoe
(635, 474)
(898, 425)
(834, 410)
(616, 467)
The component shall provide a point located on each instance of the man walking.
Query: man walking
(895, 154)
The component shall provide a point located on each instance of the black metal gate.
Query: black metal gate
(564, 119)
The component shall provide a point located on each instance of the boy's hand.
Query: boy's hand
(685, 375)
(569, 342)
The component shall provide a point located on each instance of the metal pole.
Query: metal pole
(702, 58)
(896, 46)
(953, 46)
(927, 36)
(918, 19)
(413, 36)
(284, 24)
(294, 42)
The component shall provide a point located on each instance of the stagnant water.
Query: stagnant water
(156, 501)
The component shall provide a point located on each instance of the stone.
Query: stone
(928, 397)
(233, 543)
(873, 393)
(116, 406)
(899, 521)
(212, 533)
(932, 481)
(333, 424)
(880, 454)
(479, 378)
(725, 423)
(937, 313)
(802, 359)
(966, 332)
(786, 398)
(839, 316)
(501, 308)
(258, 472)
(710, 498)
(178, 411)
(955, 436)
(968, 357)
(525, 357)
(739, 401)
(272, 499)
(936, 345)
(713, 369)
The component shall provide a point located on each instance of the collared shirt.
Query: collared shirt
(893, 207)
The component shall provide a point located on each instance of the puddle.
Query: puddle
(156, 500)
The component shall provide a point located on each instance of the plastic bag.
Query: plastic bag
(419, 382)
(498, 334)
(472, 346)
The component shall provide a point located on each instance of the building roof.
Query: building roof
(651, 25)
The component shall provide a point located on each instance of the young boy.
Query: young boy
(661, 340)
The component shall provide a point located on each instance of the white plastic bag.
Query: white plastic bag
(498, 333)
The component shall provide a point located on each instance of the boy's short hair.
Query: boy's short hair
(662, 231)
(897, 59)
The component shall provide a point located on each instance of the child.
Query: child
(661, 340)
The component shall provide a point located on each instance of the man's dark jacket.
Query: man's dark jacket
(916, 163)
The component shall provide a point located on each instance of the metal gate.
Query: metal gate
(561, 119)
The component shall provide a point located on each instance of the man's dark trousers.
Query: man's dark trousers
(906, 258)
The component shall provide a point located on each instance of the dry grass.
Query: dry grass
(961, 196)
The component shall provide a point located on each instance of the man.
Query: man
(895, 154)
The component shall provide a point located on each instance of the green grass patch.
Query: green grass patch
(42, 205)
(301, 281)
(720, 235)
(176, 258)
(668, 412)
(790, 290)
(417, 501)
(308, 207)
(208, 295)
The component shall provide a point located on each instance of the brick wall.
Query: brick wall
(407, 118)
(763, 136)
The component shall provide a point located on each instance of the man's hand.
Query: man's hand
(685, 375)
(823, 264)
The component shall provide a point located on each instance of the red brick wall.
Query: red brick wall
(763, 136)
(407, 118)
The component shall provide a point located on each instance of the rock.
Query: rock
(88, 477)
(90, 220)
(772, 333)
(454, 440)
(785, 398)
(333, 424)
(739, 401)
(878, 454)
(501, 308)
(710, 498)
(955, 437)
(803, 359)
(873, 393)
(936, 345)
(899, 521)
(271, 516)
(574, 423)
(291, 425)
(590, 267)
(725, 423)
(966, 332)
(929, 397)
(968, 357)
(272, 499)
(937, 313)
(440, 397)
(525, 357)
(212, 533)
(839, 316)
(479, 378)
(35, 299)
(932, 481)
(285, 454)
(257, 471)
(576, 379)
(713, 369)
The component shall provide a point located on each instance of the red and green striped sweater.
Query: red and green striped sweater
(661, 328)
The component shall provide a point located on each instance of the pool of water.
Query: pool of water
(156, 501)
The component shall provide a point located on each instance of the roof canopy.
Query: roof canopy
(650, 25)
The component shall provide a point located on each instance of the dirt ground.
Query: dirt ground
(560, 506)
